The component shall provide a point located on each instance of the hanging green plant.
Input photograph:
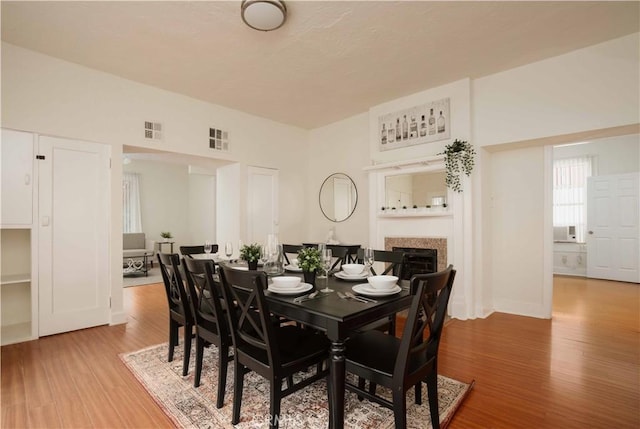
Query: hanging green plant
(458, 158)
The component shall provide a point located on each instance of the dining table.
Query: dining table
(338, 318)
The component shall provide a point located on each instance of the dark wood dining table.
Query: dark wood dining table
(338, 318)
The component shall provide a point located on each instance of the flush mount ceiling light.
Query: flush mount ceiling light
(263, 15)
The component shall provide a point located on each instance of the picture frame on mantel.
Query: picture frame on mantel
(416, 125)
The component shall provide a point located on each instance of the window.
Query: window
(131, 218)
(570, 193)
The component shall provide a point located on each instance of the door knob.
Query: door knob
(590, 232)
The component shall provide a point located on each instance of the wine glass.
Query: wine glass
(207, 247)
(264, 254)
(326, 257)
(368, 259)
(228, 249)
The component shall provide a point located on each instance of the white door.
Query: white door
(74, 235)
(262, 204)
(613, 235)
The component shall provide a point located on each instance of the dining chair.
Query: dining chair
(290, 249)
(393, 259)
(400, 364)
(179, 307)
(340, 254)
(188, 251)
(274, 351)
(210, 318)
(395, 263)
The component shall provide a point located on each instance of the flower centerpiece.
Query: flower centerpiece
(309, 261)
(458, 158)
(251, 254)
(166, 235)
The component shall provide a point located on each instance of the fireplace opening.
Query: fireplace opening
(417, 261)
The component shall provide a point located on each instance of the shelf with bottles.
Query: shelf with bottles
(435, 211)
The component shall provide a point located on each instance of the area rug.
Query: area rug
(153, 276)
(190, 407)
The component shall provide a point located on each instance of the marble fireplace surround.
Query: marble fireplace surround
(439, 244)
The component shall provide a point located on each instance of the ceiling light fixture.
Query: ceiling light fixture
(263, 15)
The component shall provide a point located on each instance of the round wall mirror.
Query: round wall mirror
(338, 197)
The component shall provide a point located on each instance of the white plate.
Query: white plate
(366, 289)
(293, 269)
(344, 276)
(302, 287)
(241, 268)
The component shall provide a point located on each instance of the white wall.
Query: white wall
(341, 147)
(582, 92)
(46, 95)
(613, 155)
(164, 200)
(202, 208)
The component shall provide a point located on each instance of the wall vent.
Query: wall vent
(152, 130)
(218, 139)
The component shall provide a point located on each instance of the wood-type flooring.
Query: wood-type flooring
(579, 369)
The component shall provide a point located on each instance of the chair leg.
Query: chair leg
(418, 393)
(392, 325)
(237, 392)
(274, 405)
(432, 392)
(223, 362)
(199, 355)
(400, 408)
(173, 338)
(187, 349)
(361, 382)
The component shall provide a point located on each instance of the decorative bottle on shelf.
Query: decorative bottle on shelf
(423, 127)
(383, 137)
(391, 134)
(405, 128)
(440, 123)
(432, 123)
(398, 135)
(413, 128)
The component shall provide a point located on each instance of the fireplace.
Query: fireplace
(417, 261)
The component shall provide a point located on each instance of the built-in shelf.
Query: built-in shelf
(16, 333)
(8, 279)
(417, 213)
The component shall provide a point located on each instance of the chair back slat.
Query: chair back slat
(188, 251)
(290, 249)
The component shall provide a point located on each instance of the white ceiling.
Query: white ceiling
(331, 59)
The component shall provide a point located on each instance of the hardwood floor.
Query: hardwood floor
(578, 370)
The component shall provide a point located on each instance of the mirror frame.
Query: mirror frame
(322, 187)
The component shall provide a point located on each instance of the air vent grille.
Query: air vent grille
(218, 139)
(152, 130)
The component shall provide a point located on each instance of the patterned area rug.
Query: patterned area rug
(191, 407)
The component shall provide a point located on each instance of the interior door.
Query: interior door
(74, 235)
(262, 203)
(613, 235)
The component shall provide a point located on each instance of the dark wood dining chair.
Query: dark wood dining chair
(179, 307)
(290, 249)
(188, 251)
(210, 318)
(274, 351)
(395, 262)
(400, 364)
(340, 254)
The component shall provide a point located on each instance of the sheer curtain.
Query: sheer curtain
(131, 219)
(570, 193)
